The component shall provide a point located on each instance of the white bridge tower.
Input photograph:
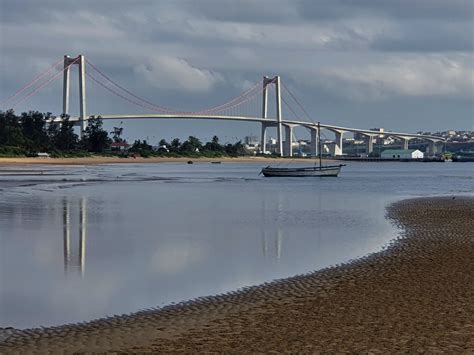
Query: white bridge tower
(68, 63)
(276, 81)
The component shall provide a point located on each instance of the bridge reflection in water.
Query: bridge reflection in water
(268, 231)
(74, 244)
(74, 259)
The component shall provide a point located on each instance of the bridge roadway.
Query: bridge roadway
(289, 125)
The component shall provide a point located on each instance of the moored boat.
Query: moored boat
(323, 171)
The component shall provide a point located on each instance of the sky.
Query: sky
(404, 65)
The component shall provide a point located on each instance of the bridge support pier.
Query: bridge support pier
(263, 139)
(278, 112)
(314, 142)
(435, 148)
(288, 146)
(338, 143)
(369, 144)
(405, 143)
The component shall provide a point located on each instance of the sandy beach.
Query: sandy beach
(414, 296)
(152, 160)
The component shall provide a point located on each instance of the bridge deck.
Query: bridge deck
(270, 122)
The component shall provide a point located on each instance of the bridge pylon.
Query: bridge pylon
(81, 63)
(276, 81)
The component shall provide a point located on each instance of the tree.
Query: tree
(193, 144)
(96, 138)
(10, 130)
(63, 136)
(142, 148)
(34, 131)
(214, 145)
(138, 146)
(116, 135)
(163, 142)
(236, 149)
(175, 145)
(53, 132)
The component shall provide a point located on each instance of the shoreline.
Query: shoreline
(415, 295)
(96, 160)
(100, 160)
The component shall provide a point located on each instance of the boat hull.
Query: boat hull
(325, 171)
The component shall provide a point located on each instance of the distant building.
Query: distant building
(251, 140)
(120, 147)
(401, 154)
(161, 148)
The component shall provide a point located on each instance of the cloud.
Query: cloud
(418, 76)
(176, 73)
(396, 9)
(338, 50)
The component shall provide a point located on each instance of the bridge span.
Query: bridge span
(289, 125)
(225, 112)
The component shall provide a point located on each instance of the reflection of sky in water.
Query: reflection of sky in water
(90, 250)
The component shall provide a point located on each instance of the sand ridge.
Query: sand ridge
(415, 296)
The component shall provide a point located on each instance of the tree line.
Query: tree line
(29, 133)
(191, 147)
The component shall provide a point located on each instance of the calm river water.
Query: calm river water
(80, 243)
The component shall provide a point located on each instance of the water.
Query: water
(87, 242)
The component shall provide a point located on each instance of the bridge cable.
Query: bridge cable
(153, 108)
(168, 110)
(120, 95)
(34, 92)
(31, 83)
(298, 103)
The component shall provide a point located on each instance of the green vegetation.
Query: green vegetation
(192, 148)
(28, 134)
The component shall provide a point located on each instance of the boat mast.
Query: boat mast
(319, 145)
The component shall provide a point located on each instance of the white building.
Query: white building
(402, 154)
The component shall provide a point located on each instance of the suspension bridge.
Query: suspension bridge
(289, 112)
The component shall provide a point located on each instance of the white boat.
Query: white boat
(322, 171)
(330, 170)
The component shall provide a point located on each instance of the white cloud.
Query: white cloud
(176, 73)
(420, 76)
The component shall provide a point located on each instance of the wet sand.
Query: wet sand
(153, 160)
(415, 296)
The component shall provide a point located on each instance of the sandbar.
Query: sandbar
(416, 295)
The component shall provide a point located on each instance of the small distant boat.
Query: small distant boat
(322, 171)
(190, 162)
(215, 162)
(330, 170)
